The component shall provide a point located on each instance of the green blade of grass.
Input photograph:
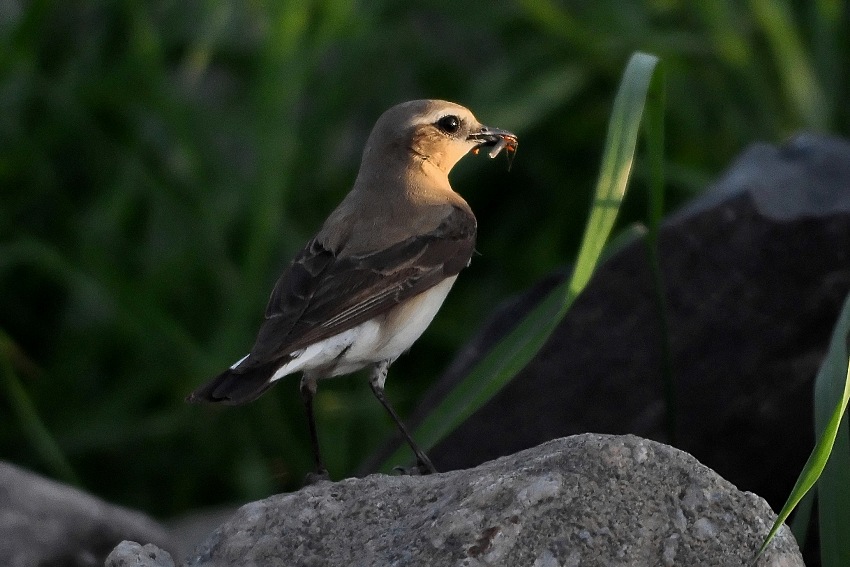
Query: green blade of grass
(32, 426)
(832, 383)
(793, 62)
(515, 351)
(655, 151)
(802, 518)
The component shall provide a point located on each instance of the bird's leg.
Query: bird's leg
(308, 391)
(376, 381)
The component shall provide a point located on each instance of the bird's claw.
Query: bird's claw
(419, 469)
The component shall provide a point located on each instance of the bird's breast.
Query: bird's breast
(407, 321)
(384, 337)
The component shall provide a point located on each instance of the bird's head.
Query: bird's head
(436, 132)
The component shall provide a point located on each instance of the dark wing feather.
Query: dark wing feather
(320, 295)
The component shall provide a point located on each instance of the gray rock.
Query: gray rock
(132, 554)
(43, 522)
(585, 500)
(807, 176)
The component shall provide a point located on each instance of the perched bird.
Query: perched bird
(369, 283)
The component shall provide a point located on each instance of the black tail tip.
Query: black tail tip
(233, 388)
(204, 395)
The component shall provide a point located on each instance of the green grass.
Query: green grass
(160, 163)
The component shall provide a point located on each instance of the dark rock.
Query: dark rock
(755, 273)
(46, 523)
(585, 500)
(132, 554)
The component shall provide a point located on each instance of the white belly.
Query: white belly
(385, 337)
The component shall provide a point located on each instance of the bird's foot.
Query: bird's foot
(419, 469)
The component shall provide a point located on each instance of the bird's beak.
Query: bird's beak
(494, 138)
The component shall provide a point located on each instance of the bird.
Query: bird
(367, 285)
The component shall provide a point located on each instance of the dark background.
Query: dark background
(160, 162)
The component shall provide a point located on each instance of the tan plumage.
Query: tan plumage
(370, 281)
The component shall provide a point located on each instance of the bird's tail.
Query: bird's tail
(235, 387)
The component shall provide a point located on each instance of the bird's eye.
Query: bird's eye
(449, 124)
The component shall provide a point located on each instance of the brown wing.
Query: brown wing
(320, 295)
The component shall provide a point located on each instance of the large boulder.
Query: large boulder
(47, 523)
(584, 500)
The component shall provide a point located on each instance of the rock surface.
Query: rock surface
(132, 554)
(755, 272)
(586, 500)
(46, 523)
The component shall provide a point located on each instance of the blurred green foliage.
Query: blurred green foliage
(160, 162)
